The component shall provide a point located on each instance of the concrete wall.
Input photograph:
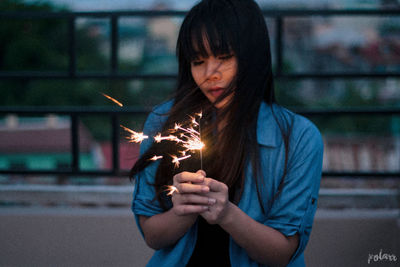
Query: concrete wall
(70, 237)
(347, 237)
(109, 237)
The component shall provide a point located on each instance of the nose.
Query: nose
(213, 72)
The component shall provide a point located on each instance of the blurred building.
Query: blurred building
(361, 153)
(44, 144)
(128, 154)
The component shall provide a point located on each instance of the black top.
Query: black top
(212, 246)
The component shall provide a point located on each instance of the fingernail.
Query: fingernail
(212, 201)
(205, 189)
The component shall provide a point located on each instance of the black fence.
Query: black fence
(114, 74)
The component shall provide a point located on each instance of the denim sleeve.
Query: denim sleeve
(293, 210)
(144, 202)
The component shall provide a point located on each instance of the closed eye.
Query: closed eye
(197, 62)
(225, 57)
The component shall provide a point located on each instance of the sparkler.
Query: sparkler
(189, 139)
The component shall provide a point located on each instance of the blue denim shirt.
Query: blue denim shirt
(292, 211)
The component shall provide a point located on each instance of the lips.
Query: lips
(216, 91)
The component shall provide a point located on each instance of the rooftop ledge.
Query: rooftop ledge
(121, 196)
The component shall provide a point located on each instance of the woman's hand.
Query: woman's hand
(190, 198)
(218, 212)
(165, 229)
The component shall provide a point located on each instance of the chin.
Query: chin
(221, 104)
(224, 102)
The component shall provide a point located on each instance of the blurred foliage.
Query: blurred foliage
(25, 42)
(43, 46)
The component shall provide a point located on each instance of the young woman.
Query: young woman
(254, 201)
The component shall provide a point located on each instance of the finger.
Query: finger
(190, 209)
(206, 213)
(215, 186)
(185, 188)
(196, 199)
(202, 172)
(186, 177)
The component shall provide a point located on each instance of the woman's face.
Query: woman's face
(213, 75)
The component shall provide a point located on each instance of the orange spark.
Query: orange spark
(194, 122)
(112, 99)
(176, 160)
(171, 189)
(154, 158)
(135, 137)
(158, 138)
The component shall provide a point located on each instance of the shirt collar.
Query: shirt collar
(268, 131)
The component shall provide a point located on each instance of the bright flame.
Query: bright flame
(112, 99)
(135, 137)
(190, 139)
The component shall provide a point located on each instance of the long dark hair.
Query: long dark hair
(222, 27)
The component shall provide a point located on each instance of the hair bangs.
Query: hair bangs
(205, 35)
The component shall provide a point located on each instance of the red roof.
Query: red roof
(128, 154)
(42, 139)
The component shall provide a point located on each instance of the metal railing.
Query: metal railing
(114, 74)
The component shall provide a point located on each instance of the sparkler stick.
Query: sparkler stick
(201, 150)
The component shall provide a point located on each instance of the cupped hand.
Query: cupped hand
(189, 197)
(216, 213)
